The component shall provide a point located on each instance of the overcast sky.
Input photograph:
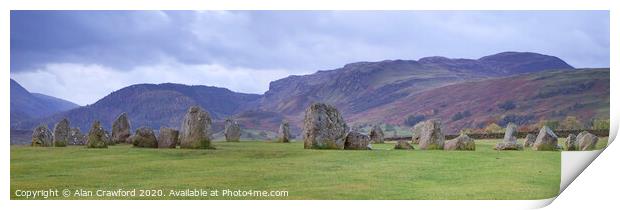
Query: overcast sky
(82, 56)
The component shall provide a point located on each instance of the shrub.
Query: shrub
(600, 124)
(565, 89)
(467, 131)
(553, 124)
(507, 105)
(493, 128)
(412, 120)
(571, 123)
(516, 119)
(263, 134)
(460, 115)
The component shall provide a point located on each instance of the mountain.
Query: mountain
(359, 87)
(523, 99)
(26, 105)
(152, 105)
(464, 93)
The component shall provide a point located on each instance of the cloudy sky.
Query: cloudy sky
(82, 56)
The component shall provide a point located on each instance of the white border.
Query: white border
(606, 161)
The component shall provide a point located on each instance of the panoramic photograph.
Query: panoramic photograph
(303, 105)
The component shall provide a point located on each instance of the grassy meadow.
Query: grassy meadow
(382, 173)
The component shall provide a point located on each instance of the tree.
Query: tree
(507, 105)
(516, 119)
(461, 115)
(263, 134)
(412, 120)
(493, 128)
(600, 124)
(466, 131)
(553, 124)
(571, 123)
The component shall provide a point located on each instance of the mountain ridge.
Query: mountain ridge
(356, 88)
(26, 105)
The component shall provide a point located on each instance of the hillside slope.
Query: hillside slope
(365, 92)
(359, 87)
(523, 99)
(152, 105)
(26, 105)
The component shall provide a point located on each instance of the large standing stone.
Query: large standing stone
(76, 137)
(529, 140)
(41, 136)
(232, 131)
(402, 144)
(356, 141)
(571, 142)
(96, 136)
(121, 129)
(376, 135)
(196, 129)
(463, 142)
(284, 133)
(168, 138)
(431, 136)
(586, 141)
(416, 132)
(324, 127)
(546, 140)
(510, 139)
(144, 137)
(61, 133)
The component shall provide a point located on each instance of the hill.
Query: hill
(360, 87)
(523, 99)
(367, 92)
(152, 105)
(26, 105)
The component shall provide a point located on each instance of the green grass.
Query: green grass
(306, 174)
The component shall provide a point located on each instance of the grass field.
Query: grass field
(306, 174)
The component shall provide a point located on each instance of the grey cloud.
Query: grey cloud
(299, 40)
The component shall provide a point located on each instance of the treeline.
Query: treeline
(568, 123)
(559, 133)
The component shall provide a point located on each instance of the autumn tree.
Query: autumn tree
(493, 128)
(571, 123)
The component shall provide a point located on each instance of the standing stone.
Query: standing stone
(402, 144)
(108, 138)
(144, 137)
(196, 129)
(356, 141)
(284, 133)
(529, 140)
(431, 136)
(510, 139)
(61, 133)
(586, 141)
(324, 127)
(571, 142)
(76, 137)
(416, 132)
(41, 136)
(232, 131)
(168, 138)
(376, 135)
(121, 129)
(546, 140)
(463, 142)
(96, 136)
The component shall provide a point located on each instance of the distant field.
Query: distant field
(306, 174)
